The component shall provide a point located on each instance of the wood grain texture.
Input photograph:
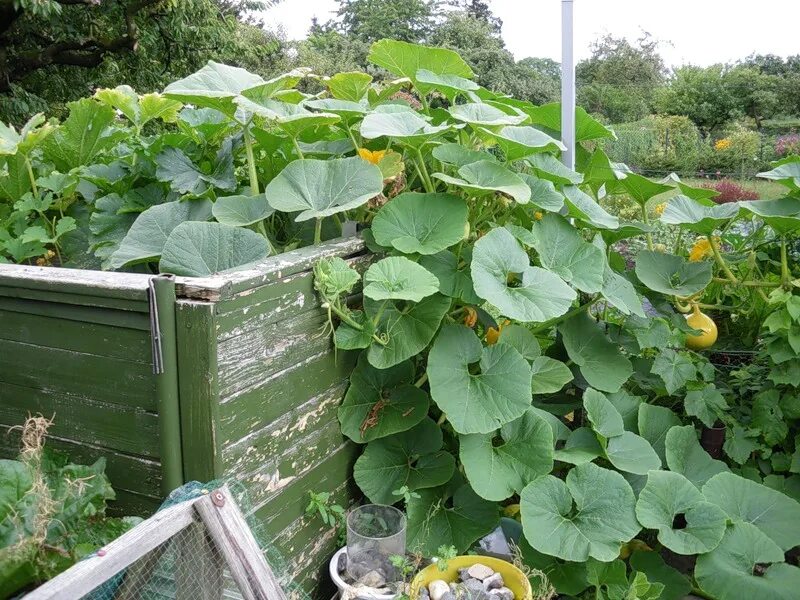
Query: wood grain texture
(198, 389)
(128, 286)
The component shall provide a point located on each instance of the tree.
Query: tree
(53, 51)
(700, 94)
(372, 20)
(479, 10)
(619, 79)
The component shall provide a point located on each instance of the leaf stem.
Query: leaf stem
(318, 232)
(565, 316)
(34, 187)
(648, 235)
(378, 316)
(426, 178)
(784, 264)
(721, 261)
(755, 284)
(251, 162)
(421, 381)
(348, 320)
(297, 149)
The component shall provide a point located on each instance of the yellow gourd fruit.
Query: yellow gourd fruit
(701, 321)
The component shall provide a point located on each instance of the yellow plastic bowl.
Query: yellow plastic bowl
(514, 579)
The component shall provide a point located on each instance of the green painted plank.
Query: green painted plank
(229, 284)
(293, 393)
(132, 504)
(103, 284)
(275, 302)
(84, 314)
(252, 359)
(271, 478)
(55, 371)
(77, 336)
(113, 426)
(126, 472)
(198, 389)
(62, 297)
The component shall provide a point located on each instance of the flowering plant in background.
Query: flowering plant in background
(787, 145)
(730, 191)
(722, 145)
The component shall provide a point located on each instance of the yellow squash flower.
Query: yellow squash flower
(538, 215)
(493, 334)
(470, 316)
(372, 156)
(701, 249)
(659, 209)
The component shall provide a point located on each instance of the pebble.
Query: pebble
(438, 588)
(449, 596)
(463, 574)
(424, 594)
(479, 571)
(502, 593)
(373, 579)
(493, 582)
(341, 565)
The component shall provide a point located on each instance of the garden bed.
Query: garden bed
(249, 391)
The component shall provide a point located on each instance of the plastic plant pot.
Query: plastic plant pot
(375, 532)
(348, 591)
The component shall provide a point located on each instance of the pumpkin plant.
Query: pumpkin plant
(507, 359)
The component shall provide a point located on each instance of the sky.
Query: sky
(700, 32)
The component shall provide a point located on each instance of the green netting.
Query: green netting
(188, 566)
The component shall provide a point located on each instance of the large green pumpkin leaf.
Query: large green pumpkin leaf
(582, 206)
(537, 296)
(381, 402)
(454, 277)
(600, 361)
(450, 85)
(522, 141)
(620, 293)
(549, 375)
(196, 249)
(240, 210)
(707, 404)
(477, 402)
(686, 523)
(320, 188)
(83, 136)
(489, 177)
(496, 471)
(522, 340)
(543, 193)
(214, 86)
(148, 235)
(566, 577)
(399, 122)
(405, 60)
(458, 155)
(590, 514)
(351, 86)
(641, 189)
(653, 423)
(786, 172)
(774, 513)
(586, 126)
(408, 331)
(184, 177)
(563, 251)
(783, 215)
(291, 118)
(582, 446)
(603, 415)
(413, 458)
(398, 278)
(484, 114)
(421, 223)
(698, 216)
(747, 564)
(450, 517)
(16, 481)
(632, 454)
(550, 168)
(686, 456)
(672, 275)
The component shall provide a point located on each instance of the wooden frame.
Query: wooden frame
(216, 513)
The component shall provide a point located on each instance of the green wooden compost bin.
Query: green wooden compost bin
(249, 389)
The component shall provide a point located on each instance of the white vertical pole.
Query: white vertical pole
(567, 85)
